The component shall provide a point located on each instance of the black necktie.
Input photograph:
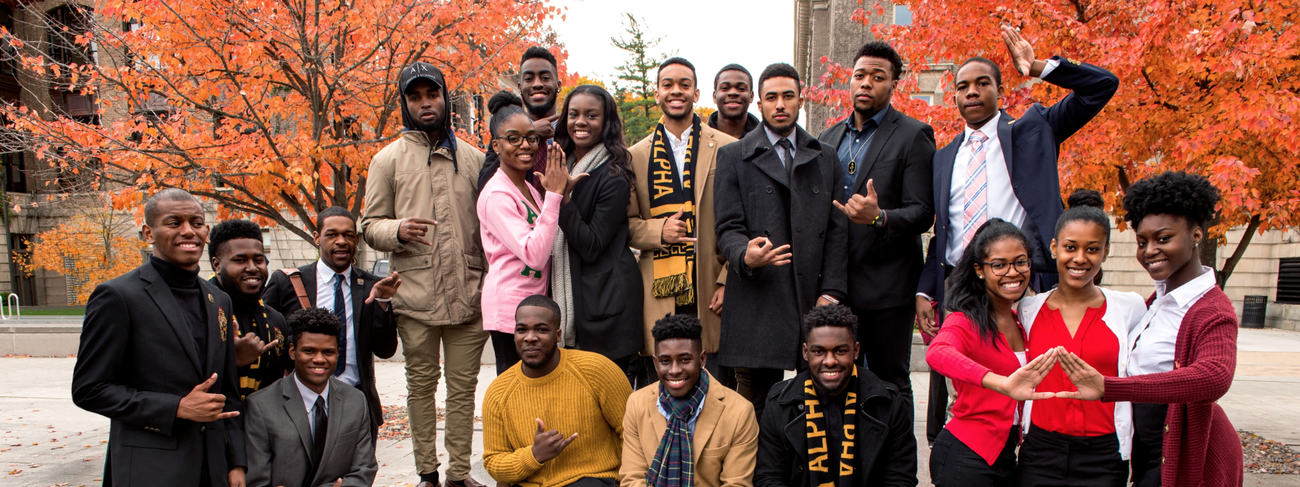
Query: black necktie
(786, 146)
(320, 428)
(341, 311)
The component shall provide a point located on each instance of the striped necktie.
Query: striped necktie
(976, 210)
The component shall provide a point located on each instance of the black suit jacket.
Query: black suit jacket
(607, 300)
(375, 328)
(135, 362)
(1030, 146)
(755, 196)
(885, 263)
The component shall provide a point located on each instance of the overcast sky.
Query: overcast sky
(708, 33)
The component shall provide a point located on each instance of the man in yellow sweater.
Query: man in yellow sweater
(556, 418)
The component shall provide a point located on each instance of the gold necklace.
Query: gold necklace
(853, 159)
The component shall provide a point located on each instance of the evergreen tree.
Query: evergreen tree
(635, 89)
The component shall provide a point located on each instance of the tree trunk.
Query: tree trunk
(1231, 263)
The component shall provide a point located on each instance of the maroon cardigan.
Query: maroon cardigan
(1201, 448)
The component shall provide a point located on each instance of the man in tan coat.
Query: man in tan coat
(420, 196)
(670, 217)
(688, 429)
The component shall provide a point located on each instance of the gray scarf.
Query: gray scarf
(561, 278)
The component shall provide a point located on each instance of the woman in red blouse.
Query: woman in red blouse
(981, 347)
(1068, 441)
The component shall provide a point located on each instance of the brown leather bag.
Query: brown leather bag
(295, 276)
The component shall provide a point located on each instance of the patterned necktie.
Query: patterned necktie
(977, 198)
(341, 311)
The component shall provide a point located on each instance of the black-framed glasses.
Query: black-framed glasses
(517, 140)
(1001, 267)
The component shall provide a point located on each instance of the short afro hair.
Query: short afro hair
(997, 72)
(677, 326)
(677, 60)
(733, 67)
(313, 320)
(541, 301)
(882, 50)
(538, 52)
(333, 211)
(1174, 193)
(836, 315)
(231, 230)
(151, 211)
(779, 70)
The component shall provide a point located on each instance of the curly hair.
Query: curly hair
(313, 320)
(966, 292)
(882, 50)
(677, 326)
(779, 70)
(836, 315)
(1172, 193)
(231, 230)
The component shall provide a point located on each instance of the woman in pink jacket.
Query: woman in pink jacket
(518, 226)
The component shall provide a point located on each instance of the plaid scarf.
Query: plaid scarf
(820, 474)
(674, 461)
(674, 265)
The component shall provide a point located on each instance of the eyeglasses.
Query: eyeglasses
(517, 140)
(1002, 267)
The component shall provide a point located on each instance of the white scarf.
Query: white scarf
(561, 278)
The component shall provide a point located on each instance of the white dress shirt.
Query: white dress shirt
(1155, 336)
(774, 138)
(325, 299)
(679, 147)
(309, 401)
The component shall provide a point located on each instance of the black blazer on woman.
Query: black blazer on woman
(607, 300)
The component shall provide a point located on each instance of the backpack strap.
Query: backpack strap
(295, 277)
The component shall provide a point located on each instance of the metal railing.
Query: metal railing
(14, 311)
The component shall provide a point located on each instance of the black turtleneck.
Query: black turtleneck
(184, 285)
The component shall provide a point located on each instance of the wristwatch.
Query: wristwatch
(879, 221)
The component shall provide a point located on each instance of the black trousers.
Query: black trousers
(503, 345)
(937, 410)
(1148, 443)
(886, 338)
(1048, 458)
(754, 385)
(953, 464)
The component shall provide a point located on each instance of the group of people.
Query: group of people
(598, 269)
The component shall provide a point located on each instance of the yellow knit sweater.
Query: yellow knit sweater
(585, 394)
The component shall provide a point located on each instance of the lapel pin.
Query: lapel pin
(210, 300)
(360, 282)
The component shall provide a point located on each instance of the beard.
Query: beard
(541, 110)
(427, 127)
(541, 361)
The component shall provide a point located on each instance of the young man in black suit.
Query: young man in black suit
(783, 241)
(157, 358)
(360, 300)
(239, 259)
(886, 158)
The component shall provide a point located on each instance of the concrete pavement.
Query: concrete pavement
(45, 440)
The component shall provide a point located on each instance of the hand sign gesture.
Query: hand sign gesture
(201, 406)
(675, 230)
(1091, 384)
(385, 288)
(249, 347)
(1021, 383)
(414, 229)
(1022, 54)
(557, 179)
(861, 209)
(549, 444)
(760, 252)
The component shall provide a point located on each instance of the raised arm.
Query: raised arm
(1092, 87)
(530, 245)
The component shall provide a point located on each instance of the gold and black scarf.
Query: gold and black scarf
(670, 192)
(819, 444)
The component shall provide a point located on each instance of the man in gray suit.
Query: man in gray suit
(310, 429)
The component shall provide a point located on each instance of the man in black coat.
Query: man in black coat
(886, 159)
(156, 358)
(239, 261)
(370, 328)
(782, 238)
(864, 424)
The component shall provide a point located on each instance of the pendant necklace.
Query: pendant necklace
(853, 161)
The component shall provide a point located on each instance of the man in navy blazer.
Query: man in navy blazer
(1018, 156)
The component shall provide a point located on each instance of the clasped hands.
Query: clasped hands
(1020, 385)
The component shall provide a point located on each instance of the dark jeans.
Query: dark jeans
(953, 464)
(1148, 443)
(503, 344)
(1049, 458)
(754, 384)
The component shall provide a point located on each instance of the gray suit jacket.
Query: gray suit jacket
(279, 438)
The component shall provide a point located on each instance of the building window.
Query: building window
(928, 98)
(15, 172)
(1288, 281)
(65, 24)
(902, 15)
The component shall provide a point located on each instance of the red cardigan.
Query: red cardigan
(981, 417)
(1201, 448)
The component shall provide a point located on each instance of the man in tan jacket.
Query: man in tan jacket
(688, 429)
(670, 217)
(420, 196)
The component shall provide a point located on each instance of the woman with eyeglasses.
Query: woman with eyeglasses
(517, 231)
(981, 347)
(1069, 441)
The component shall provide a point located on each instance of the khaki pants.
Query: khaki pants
(463, 346)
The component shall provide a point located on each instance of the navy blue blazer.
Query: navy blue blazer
(1030, 146)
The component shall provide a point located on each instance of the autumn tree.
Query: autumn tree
(96, 245)
(635, 91)
(272, 108)
(1208, 87)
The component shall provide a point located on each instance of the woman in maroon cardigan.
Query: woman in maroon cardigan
(1184, 349)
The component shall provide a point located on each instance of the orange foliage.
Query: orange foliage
(93, 247)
